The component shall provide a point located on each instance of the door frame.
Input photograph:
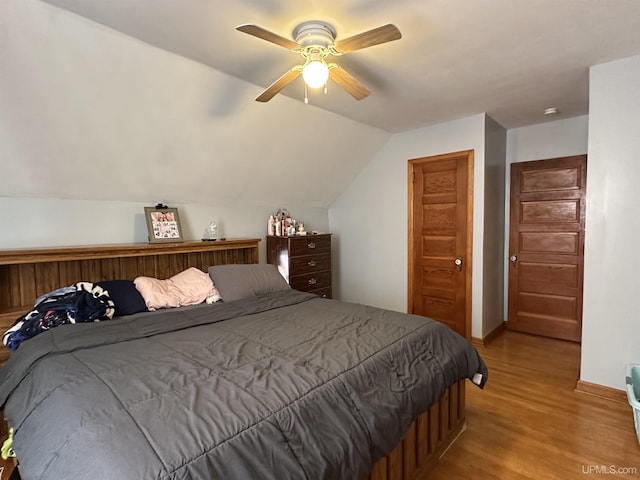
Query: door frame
(469, 246)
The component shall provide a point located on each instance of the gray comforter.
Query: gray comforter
(281, 386)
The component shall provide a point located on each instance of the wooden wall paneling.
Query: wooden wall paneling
(379, 472)
(434, 428)
(87, 270)
(70, 273)
(204, 261)
(111, 269)
(409, 450)
(5, 294)
(129, 267)
(27, 284)
(422, 440)
(220, 258)
(461, 401)
(444, 416)
(98, 270)
(47, 277)
(453, 406)
(233, 258)
(215, 258)
(194, 260)
(177, 264)
(395, 462)
(426, 440)
(198, 260)
(212, 258)
(147, 267)
(161, 266)
(10, 297)
(174, 265)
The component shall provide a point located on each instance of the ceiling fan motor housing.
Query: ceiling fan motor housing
(314, 33)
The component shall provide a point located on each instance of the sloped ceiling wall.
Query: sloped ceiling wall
(89, 113)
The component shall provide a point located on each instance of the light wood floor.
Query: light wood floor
(529, 423)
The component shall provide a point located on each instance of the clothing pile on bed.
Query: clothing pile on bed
(78, 303)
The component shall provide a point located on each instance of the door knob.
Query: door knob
(513, 259)
(458, 262)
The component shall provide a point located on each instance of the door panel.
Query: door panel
(439, 233)
(547, 247)
(548, 180)
(550, 212)
(545, 242)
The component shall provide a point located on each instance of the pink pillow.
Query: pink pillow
(189, 287)
(194, 285)
(158, 293)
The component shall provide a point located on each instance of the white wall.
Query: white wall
(493, 256)
(552, 139)
(611, 318)
(369, 219)
(88, 113)
(43, 222)
(95, 125)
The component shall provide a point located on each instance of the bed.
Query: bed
(280, 384)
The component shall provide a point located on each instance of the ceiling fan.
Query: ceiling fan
(315, 40)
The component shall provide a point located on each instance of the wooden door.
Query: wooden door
(546, 245)
(440, 212)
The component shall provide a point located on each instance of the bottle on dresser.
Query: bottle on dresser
(270, 225)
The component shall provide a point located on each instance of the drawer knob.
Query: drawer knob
(311, 245)
(312, 281)
(312, 263)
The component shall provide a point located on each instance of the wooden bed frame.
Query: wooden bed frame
(26, 274)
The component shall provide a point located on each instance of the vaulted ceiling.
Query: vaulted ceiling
(153, 100)
(509, 58)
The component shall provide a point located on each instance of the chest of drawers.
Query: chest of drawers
(305, 261)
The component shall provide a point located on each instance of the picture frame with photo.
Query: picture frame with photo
(163, 224)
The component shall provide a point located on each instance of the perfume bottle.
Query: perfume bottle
(213, 230)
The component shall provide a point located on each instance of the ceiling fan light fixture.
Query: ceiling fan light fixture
(315, 73)
(315, 41)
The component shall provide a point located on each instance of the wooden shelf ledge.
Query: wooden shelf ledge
(86, 252)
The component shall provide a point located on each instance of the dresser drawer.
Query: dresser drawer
(309, 264)
(323, 292)
(309, 244)
(311, 281)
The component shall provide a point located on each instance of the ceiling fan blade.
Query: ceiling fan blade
(264, 34)
(383, 34)
(279, 84)
(352, 86)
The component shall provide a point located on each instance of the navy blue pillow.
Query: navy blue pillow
(125, 295)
